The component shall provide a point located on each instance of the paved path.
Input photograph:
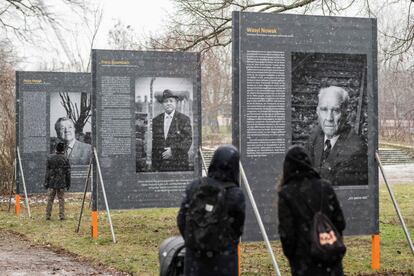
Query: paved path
(18, 257)
(397, 174)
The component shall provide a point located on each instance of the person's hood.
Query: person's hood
(297, 164)
(224, 164)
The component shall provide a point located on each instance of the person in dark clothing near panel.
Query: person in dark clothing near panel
(301, 182)
(224, 171)
(57, 179)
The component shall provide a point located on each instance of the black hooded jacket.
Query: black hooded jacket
(301, 182)
(224, 167)
(57, 172)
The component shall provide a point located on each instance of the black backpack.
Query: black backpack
(208, 230)
(326, 243)
(171, 256)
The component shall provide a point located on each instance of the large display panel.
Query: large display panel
(53, 107)
(147, 125)
(285, 70)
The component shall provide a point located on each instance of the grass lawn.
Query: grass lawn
(140, 232)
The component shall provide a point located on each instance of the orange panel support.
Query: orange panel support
(94, 225)
(375, 263)
(17, 205)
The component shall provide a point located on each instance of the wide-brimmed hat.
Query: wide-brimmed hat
(167, 93)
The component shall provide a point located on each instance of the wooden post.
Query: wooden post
(375, 258)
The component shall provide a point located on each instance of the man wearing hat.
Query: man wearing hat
(171, 136)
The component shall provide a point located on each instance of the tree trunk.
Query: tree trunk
(213, 121)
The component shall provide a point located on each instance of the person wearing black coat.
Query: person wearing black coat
(224, 168)
(301, 182)
(57, 179)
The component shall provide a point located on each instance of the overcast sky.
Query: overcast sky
(144, 17)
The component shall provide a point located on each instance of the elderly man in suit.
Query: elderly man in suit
(336, 151)
(172, 136)
(79, 153)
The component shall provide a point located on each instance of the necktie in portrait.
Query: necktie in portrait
(327, 150)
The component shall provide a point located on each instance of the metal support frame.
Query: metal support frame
(104, 194)
(84, 195)
(256, 212)
(92, 187)
(24, 183)
(394, 202)
(203, 161)
(259, 219)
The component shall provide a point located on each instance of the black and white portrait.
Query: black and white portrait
(163, 124)
(70, 116)
(329, 114)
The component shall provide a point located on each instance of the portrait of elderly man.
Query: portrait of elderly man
(336, 151)
(171, 136)
(77, 152)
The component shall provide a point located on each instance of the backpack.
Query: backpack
(171, 256)
(326, 243)
(208, 230)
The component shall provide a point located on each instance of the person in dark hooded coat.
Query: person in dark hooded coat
(57, 179)
(301, 182)
(224, 167)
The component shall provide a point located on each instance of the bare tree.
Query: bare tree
(396, 84)
(203, 24)
(20, 18)
(81, 32)
(7, 119)
(401, 34)
(123, 37)
(30, 22)
(396, 101)
(79, 115)
(24, 20)
(216, 86)
(90, 22)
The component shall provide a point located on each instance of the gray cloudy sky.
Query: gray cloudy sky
(144, 17)
(150, 17)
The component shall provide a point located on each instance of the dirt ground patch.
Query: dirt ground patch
(19, 257)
